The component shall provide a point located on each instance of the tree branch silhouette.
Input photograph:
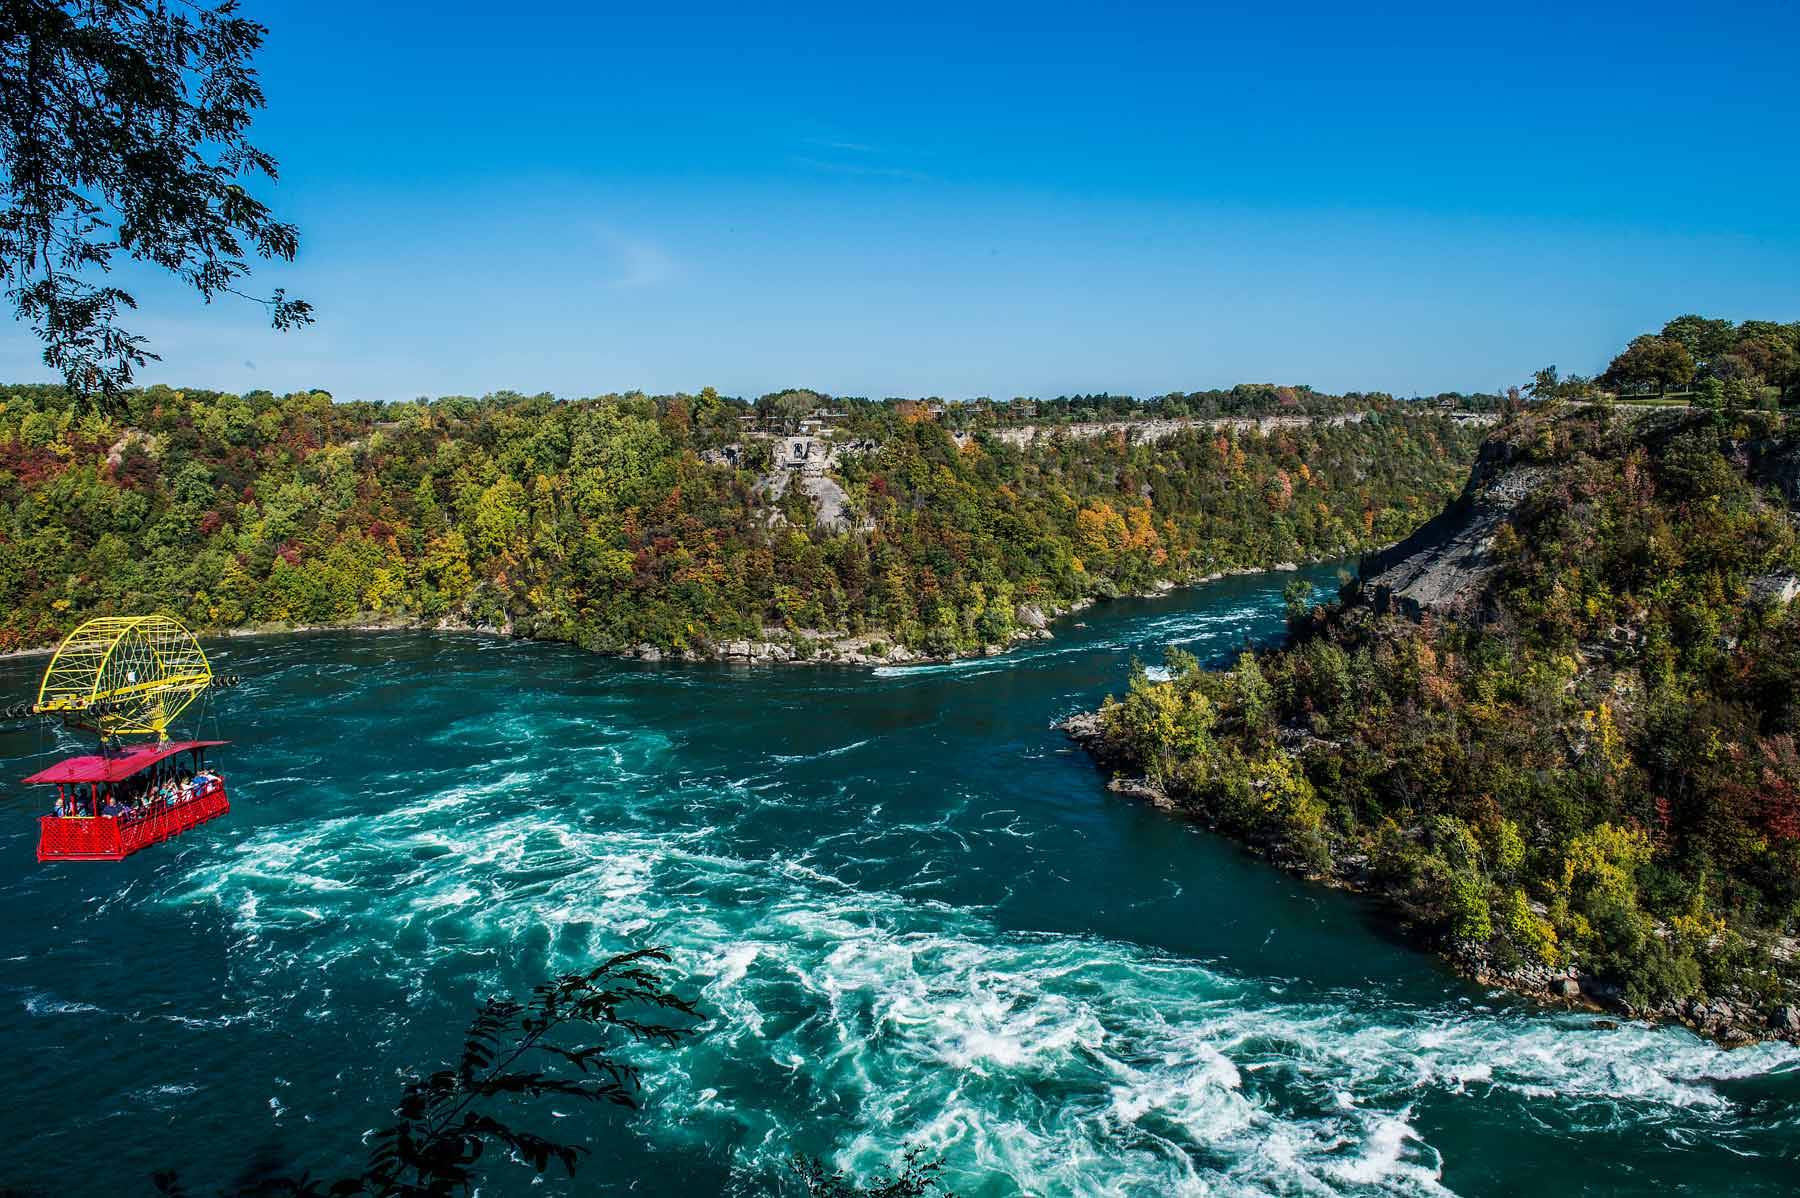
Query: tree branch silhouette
(124, 130)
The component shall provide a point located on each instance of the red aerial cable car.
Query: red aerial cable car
(110, 807)
(123, 676)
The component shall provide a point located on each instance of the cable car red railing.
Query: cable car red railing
(109, 807)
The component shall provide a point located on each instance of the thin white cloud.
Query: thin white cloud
(848, 147)
(637, 262)
(860, 168)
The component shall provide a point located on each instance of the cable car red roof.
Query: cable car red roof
(94, 768)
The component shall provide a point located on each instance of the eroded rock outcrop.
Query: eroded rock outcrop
(1445, 566)
(1775, 462)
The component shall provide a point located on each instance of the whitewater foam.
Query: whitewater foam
(1067, 1064)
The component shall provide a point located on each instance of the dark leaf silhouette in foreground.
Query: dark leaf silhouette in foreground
(124, 130)
(560, 1043)
(448, 1119)
(916, 1179)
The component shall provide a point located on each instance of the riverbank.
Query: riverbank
(777, 646)
(810, 646)
(369, 623)
(1724, 1021)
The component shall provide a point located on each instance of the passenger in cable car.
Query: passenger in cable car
(78, 801)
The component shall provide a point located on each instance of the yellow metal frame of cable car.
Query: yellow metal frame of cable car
(125, 675)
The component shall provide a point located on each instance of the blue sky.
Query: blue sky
(1030, 199)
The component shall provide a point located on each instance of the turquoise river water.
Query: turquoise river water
(910, 913)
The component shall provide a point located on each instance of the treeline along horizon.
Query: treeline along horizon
(614, 521)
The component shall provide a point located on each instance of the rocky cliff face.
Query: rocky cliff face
(1445, 566)
(1776, 464)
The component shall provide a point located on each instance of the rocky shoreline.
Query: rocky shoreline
(1726, 1022)
(776, 646)
(808, 646)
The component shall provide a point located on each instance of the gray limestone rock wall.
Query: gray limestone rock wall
(1160, 430)
(1446, 564)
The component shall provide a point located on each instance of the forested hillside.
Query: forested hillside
(1557, 728)
(621, 521)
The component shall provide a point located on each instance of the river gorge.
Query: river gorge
(909, 910)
